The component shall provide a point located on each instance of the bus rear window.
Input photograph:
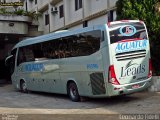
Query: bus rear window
(127, 31)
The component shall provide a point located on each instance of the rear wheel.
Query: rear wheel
(73, 92)
(23, 86)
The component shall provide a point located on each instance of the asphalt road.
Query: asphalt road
(15, 104)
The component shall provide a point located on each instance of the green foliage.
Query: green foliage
(32, 15)
(3, 11)
(144, 10)
(20, 12)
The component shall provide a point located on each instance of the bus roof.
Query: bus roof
(52, 36)
(123, 21)
(63, 33)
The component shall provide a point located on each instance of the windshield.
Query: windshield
(127, 31)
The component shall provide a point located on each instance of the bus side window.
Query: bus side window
(70, 46)
(88, 43)
(21, 56)
(25, 54)
(37, 51)
(29, 54)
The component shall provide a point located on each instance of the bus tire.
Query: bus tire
(23, 86)
(73, 92)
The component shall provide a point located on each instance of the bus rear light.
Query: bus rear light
(150, 69)
(108, 24)
(112, 76)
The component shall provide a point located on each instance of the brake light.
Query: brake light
(108, 24)
(150, 69)
(112, 76)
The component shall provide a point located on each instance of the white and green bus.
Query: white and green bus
(100, 61)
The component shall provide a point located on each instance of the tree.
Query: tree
(149, 12)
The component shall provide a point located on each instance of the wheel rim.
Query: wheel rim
(73, 92)
(24, 86)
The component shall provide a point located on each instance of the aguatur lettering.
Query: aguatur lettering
(131, 46)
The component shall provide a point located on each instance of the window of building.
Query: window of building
(46, 19)
(110, 16)
(78, 4)
(61, 11)
(26, 6)
(35, 2)
(85, 24)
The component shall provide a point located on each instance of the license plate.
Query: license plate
(135, 86)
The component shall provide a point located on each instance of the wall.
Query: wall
(42, 3)
(112, 3)
(76, 27)
(55, 21)
(29, 5)
(70, 14)
(94, 6)
(18, 28)
(98, 21)
(41, 23)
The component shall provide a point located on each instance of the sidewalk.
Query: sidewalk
(155, 84)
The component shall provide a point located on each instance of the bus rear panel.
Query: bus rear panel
(130, 69)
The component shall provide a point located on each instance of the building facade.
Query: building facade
(16, 22)
(71, 14)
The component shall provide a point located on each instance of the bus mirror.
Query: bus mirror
(8, 60)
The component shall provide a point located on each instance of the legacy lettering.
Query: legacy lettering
(131, 71)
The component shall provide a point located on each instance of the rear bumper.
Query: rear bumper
(128, 88)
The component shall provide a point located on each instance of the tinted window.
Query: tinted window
(73, 46)
(25, 54)
(124, 31)
(37, 50)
